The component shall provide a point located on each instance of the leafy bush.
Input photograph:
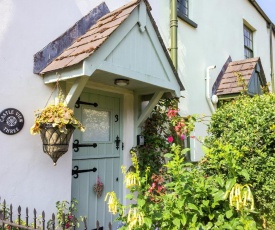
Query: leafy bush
(183, 198)
(247, 126)
(179, 195)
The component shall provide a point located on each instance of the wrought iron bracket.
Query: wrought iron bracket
(75, 171)
(78, 102)
(76, 145)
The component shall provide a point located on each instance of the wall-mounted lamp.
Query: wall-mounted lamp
(215, 99)
(121, 82)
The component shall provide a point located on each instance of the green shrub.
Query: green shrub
(174, 194)
(247, 125)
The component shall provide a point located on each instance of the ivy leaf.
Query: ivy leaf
(141, 202)
(245, 174)
(148, 222)
(229, 214)
(219, 195)
(176, 222)
(211, 216)
(230, 183)
(183, 219)
(220, 181)
(130, 196)
(209, 226)
(192, 206)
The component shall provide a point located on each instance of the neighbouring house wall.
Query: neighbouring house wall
(218, 35)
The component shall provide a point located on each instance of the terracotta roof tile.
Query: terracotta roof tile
(93, 38)
(79, 58)
(56, 64)
(229, 83)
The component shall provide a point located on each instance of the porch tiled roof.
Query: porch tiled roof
(88, 43)
(229, 83)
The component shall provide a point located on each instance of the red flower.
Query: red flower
(170, 139)
(172, 113)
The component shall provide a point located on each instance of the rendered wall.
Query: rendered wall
(218, 35)
(28, 177)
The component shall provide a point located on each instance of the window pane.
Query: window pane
(183, 7)
(248, 42)
(97, 124)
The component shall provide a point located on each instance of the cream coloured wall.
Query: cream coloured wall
(218, 35)
(28, 177)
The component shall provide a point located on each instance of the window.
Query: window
(183, 10)
(248, 42)
(183, 7)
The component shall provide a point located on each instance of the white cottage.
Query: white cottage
(115, 55)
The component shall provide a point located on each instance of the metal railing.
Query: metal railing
(7, 222)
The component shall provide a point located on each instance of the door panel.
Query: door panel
(102, 127)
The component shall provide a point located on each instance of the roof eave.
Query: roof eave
(263, 14)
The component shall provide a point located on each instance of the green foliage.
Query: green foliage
(174, 194)
(182, 198)
(67, 209)
(243, 131)
(163, 123)
(155, 132)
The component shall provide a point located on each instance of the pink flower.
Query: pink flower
(182, 137)
(170, 139)
(67, 225)
(172, 113)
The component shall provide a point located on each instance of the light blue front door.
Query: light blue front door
(98, 148)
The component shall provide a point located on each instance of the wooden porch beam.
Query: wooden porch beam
(149, 108)
(76, 90)
(142, 16)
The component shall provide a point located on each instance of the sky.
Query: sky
(268, 7)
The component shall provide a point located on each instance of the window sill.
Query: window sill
(187, 20)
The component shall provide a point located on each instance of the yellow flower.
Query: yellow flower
(112, 202)
(135, 217)
(241, 197)
(131, 179)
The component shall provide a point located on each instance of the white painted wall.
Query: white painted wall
(28, 176)
(218, 35)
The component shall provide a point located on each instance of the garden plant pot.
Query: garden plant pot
(55, 143)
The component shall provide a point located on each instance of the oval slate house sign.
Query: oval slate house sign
(11, 121)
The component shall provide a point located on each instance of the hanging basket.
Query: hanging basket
(55, 143)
